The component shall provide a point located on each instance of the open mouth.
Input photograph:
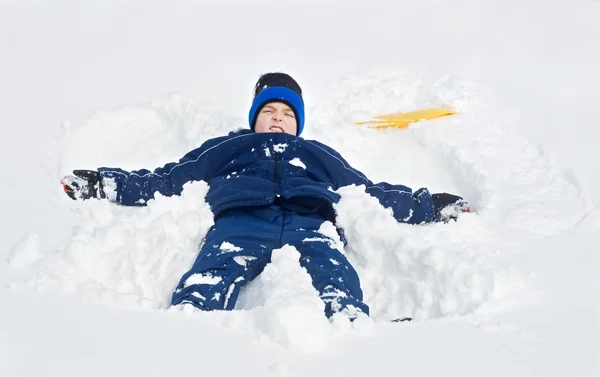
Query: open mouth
(276, 129)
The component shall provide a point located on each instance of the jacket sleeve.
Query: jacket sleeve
(135, 188)
(407, 206)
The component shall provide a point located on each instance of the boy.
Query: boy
(267, 187)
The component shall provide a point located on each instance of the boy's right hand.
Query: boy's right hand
(84, 184)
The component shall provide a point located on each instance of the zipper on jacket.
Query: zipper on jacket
(276, 172)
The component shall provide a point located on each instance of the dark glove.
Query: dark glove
(448, 206)
(84, 184)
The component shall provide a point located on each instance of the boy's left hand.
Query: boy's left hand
(448, 206)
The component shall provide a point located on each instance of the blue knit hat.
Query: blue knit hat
(277, 87)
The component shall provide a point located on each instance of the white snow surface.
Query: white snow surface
(297, 162)
(511, 288)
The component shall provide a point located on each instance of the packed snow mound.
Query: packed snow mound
(428, 271)
(477, 154)
(129, 257)
(134, 257)
(26, 251)
(147, 135)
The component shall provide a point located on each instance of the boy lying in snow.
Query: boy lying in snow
(267, 187)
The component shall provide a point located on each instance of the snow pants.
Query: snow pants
(238, 247)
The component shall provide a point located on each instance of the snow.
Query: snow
(242, 260)
(280, 148)
(26, 251)
(207, 278)
(227, 247)
(329, 230)
(511, 288)
(297, 162)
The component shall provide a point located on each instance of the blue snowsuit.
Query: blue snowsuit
(266, 190)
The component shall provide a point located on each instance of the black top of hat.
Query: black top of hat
(276, 79)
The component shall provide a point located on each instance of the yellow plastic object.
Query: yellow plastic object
(401, 120)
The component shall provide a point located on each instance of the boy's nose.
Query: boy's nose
(277, 116)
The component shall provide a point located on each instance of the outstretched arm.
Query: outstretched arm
(135, 188)
(408, 207)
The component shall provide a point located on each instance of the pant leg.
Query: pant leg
(332, 274)
(234, 252)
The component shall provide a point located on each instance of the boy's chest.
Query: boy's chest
(276, 154)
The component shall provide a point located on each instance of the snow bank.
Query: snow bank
(476, 154)
(427, 271)
(26, 251)
(290, 306)
(129, 257)
(134, 257)
(144, 136)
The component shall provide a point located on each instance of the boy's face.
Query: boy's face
(276, 117)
